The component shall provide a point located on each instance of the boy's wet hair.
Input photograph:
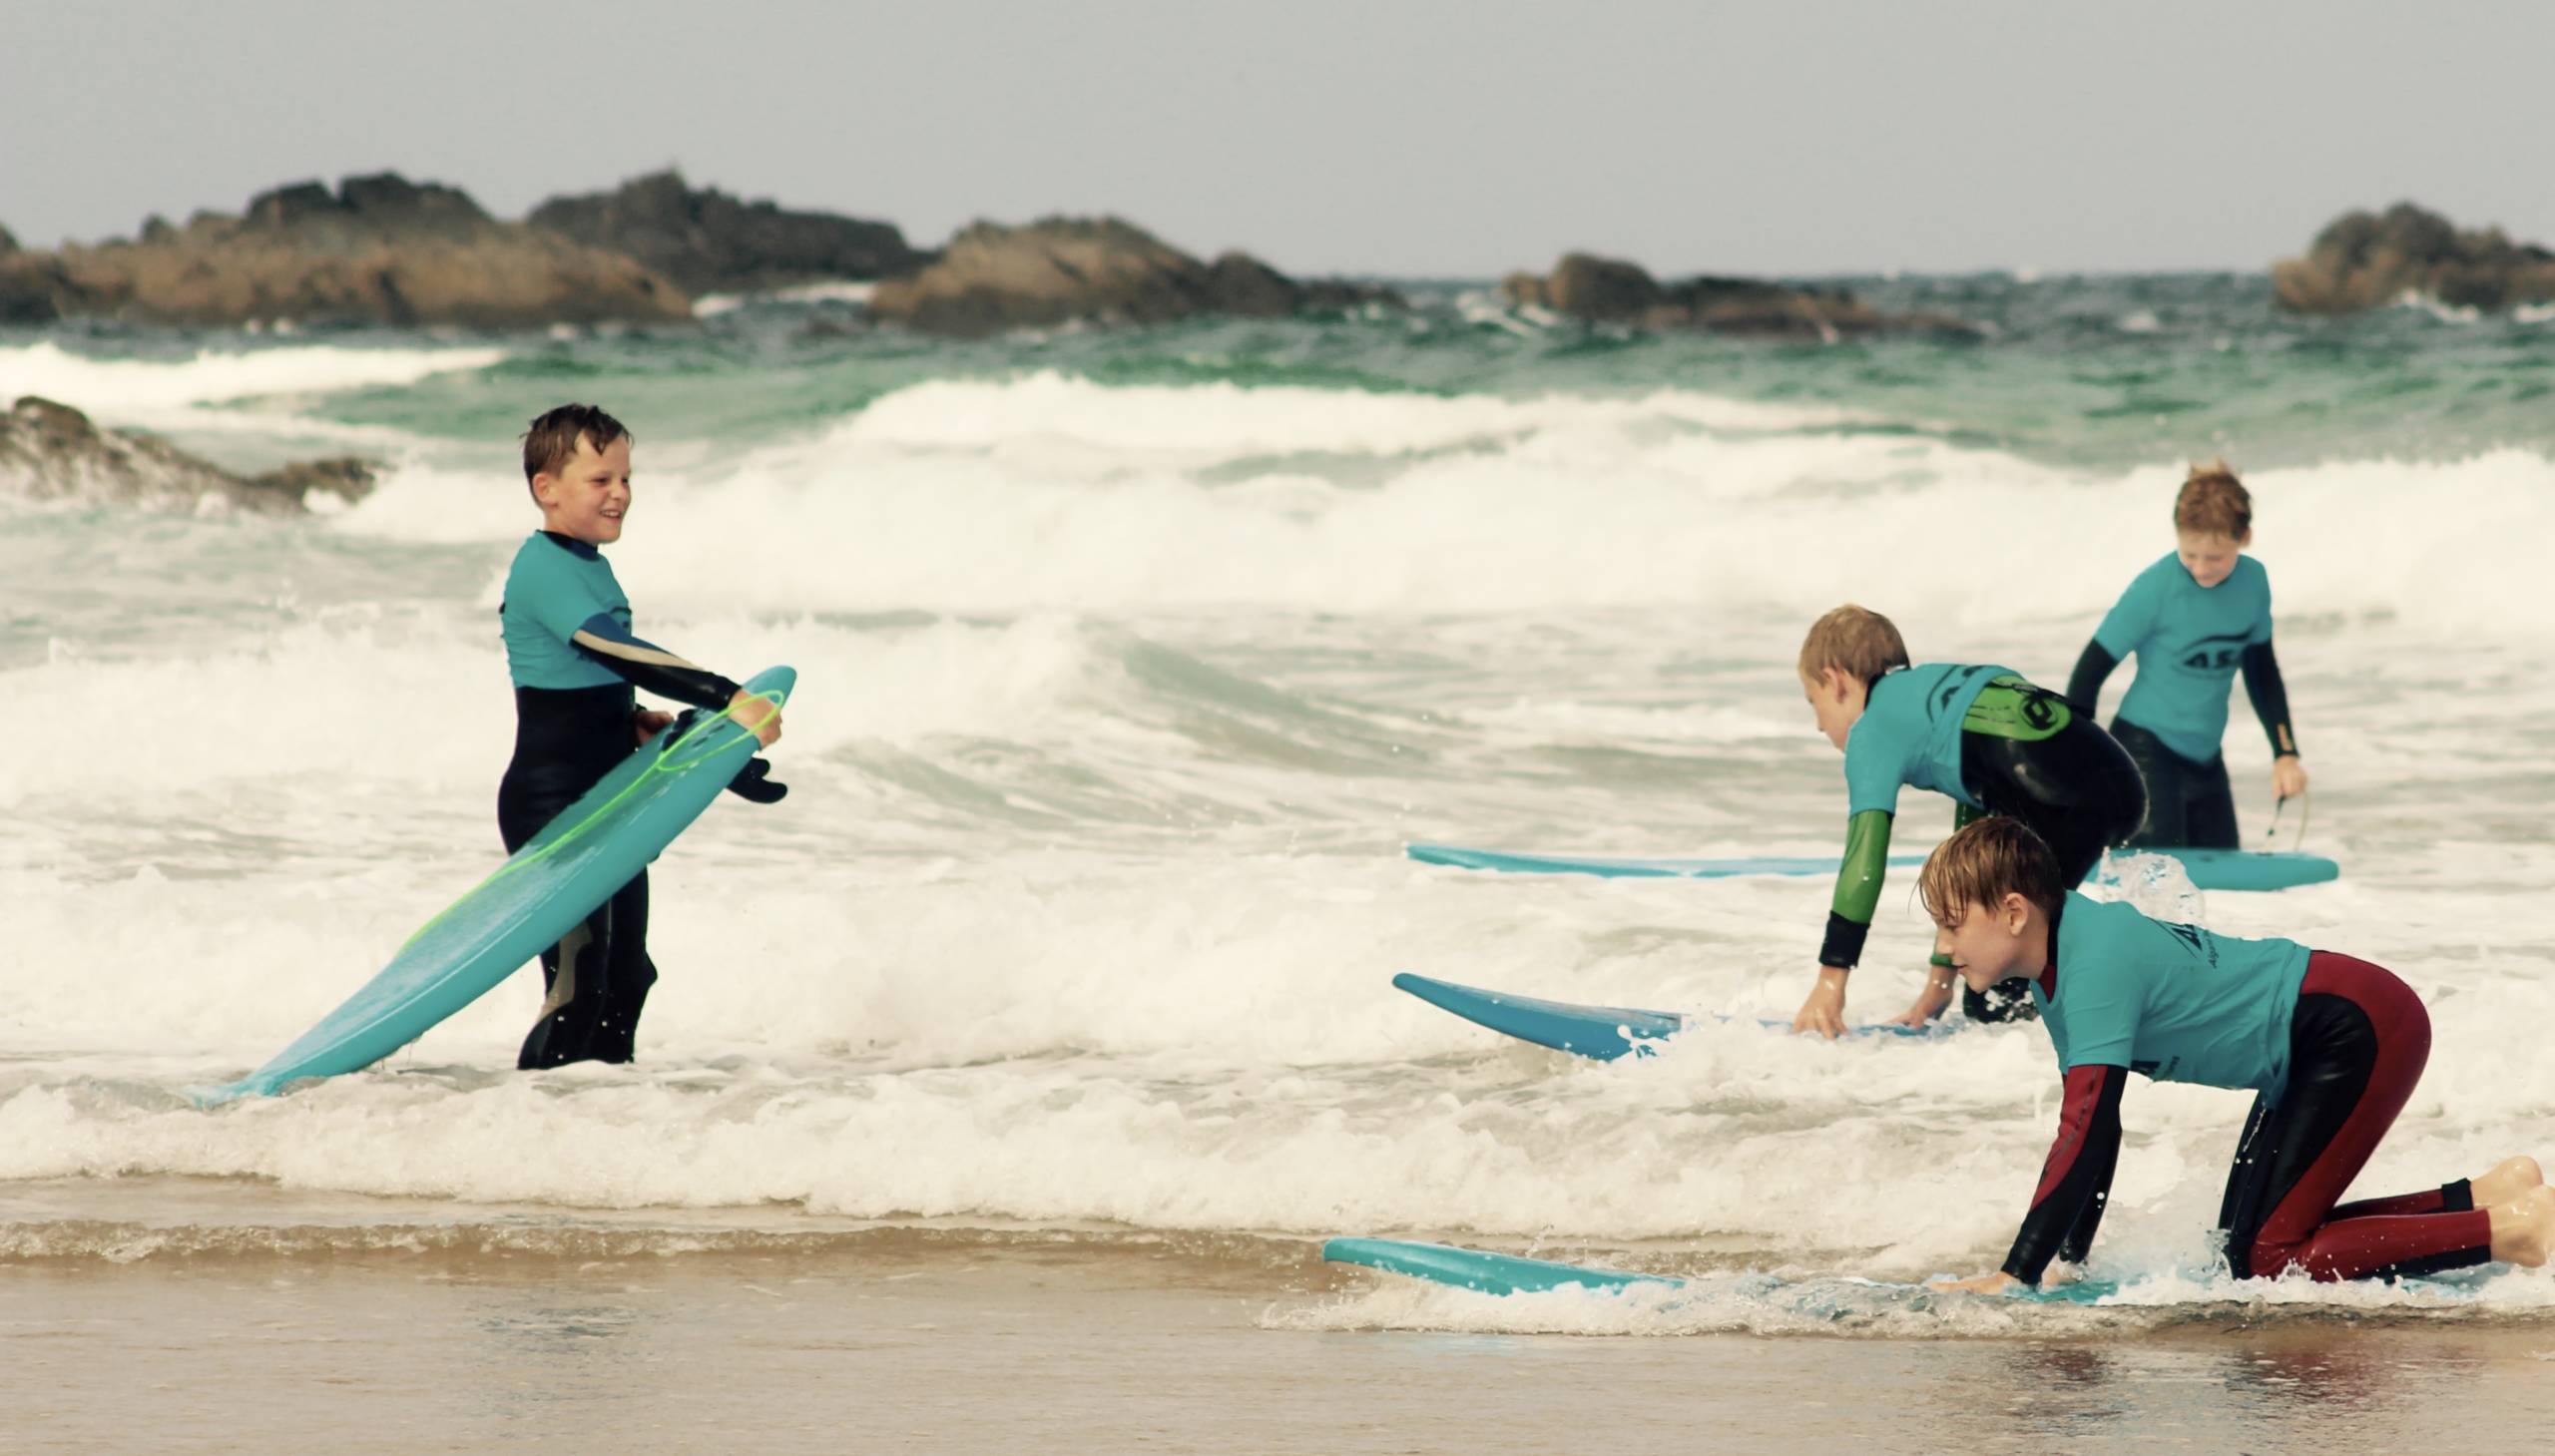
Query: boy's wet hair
(1982, 864)
(552, 441)
(1855, 641)
(2214, 502)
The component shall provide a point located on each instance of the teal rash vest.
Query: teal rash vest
(1910, 734)
(2189, 639)
(554, 589)
(2174, 1003)
(567, 627)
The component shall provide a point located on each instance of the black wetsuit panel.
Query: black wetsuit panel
(596, 981)
(2189, 806)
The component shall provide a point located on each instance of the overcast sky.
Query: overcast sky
(1404, 139)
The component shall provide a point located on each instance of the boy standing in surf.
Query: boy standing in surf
(1981, 735)
(574, 662)
(2193, 620)
(2330, 1046)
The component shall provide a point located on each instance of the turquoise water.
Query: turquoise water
(2088, 371)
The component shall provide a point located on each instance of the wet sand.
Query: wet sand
(617, 1338)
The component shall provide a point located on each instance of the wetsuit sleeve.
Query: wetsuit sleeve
(2085, 684)
(2076, 1181)
(2270, 696)
(646, 666)
(1849, 915)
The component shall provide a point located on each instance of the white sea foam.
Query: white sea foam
(1055, 493)
(709, 306)
(117, 390)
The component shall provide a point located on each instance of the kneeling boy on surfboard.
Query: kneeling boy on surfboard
(1981, 735)
(2329, 1044)
(574, 662)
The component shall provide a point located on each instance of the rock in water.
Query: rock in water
(1610, 290)
(707, 242)
(380, 249)
(1078, 269)
(2368, 259)
(52, 452)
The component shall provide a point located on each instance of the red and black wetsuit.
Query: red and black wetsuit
(2358, 1041)
(2356, 1045)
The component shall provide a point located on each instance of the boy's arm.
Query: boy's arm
(1858, 897)
(646, 666)
(2075, 1181)
(2270, 696)
(2085, 684)
(1849, 920)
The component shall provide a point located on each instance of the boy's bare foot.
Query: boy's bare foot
(2524, 1229)
(2510, 1178)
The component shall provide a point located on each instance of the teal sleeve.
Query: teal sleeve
(2129, 620)
(552, 598)
(1874, 769)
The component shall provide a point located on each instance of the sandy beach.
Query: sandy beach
(629, 1334)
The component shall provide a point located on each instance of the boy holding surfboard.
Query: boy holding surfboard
(2194, 619)
(1981, 735)
(2330, 1046)
(575, 662)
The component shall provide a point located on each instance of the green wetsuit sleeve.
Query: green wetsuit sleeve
(1849, 915)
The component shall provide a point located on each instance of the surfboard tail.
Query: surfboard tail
(211, 1097)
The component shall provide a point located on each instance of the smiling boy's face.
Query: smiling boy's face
(587, 498)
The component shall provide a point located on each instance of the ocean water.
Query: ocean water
(1129, 661)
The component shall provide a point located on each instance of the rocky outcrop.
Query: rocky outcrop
(707, 242)
(1075, 269)
(51, 451)
(36, 288)
(1610, 290)
(380, 249)
(2367, 260)
(31, 286)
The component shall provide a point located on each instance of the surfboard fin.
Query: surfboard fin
(754, 784)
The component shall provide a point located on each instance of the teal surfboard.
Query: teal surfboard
(2245, 869)
(2210, 869)
(1616, 866)
(1599, 1033)
(1485, 1273)
(594, 847)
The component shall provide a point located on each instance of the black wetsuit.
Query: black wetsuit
(567, 622)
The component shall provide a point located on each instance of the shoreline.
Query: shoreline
(980, 1349)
